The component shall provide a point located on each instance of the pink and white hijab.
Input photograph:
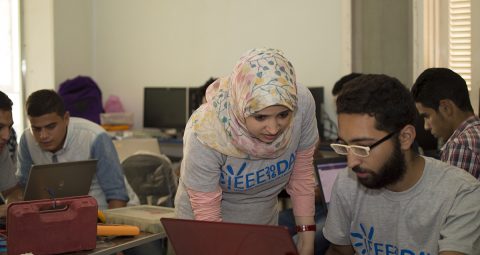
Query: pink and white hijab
(261, 78)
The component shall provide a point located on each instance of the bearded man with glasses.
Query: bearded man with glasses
(390, 200)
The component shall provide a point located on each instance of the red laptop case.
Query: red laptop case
(40, 228)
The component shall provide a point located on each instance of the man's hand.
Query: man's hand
(114, 203)
(13, 194)
(340, 250)
(3, 211)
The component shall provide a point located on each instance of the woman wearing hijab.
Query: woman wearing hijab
(255, 136)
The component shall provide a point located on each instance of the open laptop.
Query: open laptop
(218, 238)
(326, 170)
(60, 180)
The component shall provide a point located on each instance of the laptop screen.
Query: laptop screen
(212, 238)
(60, 180)
(326, 170)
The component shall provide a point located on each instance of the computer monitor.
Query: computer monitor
(165, 108)
(194, 98)
(317, 93)
(326, 170)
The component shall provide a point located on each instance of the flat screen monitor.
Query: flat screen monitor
(194, 98)
(165, 108)
(326, 171)
(317, 93)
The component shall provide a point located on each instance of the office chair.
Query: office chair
(152, 177)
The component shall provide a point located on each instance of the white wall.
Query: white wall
(182, 43)
(38, 46)
(128, 45)
(73, 39)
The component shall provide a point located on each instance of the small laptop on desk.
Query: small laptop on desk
(326, 170)
(218, 238)
(59, 180)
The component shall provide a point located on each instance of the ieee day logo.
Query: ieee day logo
(364, 242)
(238, 180)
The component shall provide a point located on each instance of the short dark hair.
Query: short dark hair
(383, 97)
(203, 88)
(338, 86)
(43, 102)
(5, 102)
(435, 84)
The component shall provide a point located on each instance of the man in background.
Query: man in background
(442, 99)
(54, 136)
(204, 87)
(8, 155)
(338, 86)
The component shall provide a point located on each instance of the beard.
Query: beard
(391, 172)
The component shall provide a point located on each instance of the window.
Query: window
(443, 36)
(459, 48)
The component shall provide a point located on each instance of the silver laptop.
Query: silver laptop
(59, 180)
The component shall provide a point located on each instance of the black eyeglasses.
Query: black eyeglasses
(361, 151)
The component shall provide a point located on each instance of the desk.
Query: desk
(118, 244)
(173, 148)
(129, 146)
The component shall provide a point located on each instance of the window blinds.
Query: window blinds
(460, 59)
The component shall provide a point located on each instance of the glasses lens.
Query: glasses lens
(339, 148)
(360, 150)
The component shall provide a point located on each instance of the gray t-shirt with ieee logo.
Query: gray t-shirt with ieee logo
(249, 187)
(439, 213)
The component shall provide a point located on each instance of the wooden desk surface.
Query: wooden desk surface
(111, 246)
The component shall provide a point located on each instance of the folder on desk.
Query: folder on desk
(146, 217)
